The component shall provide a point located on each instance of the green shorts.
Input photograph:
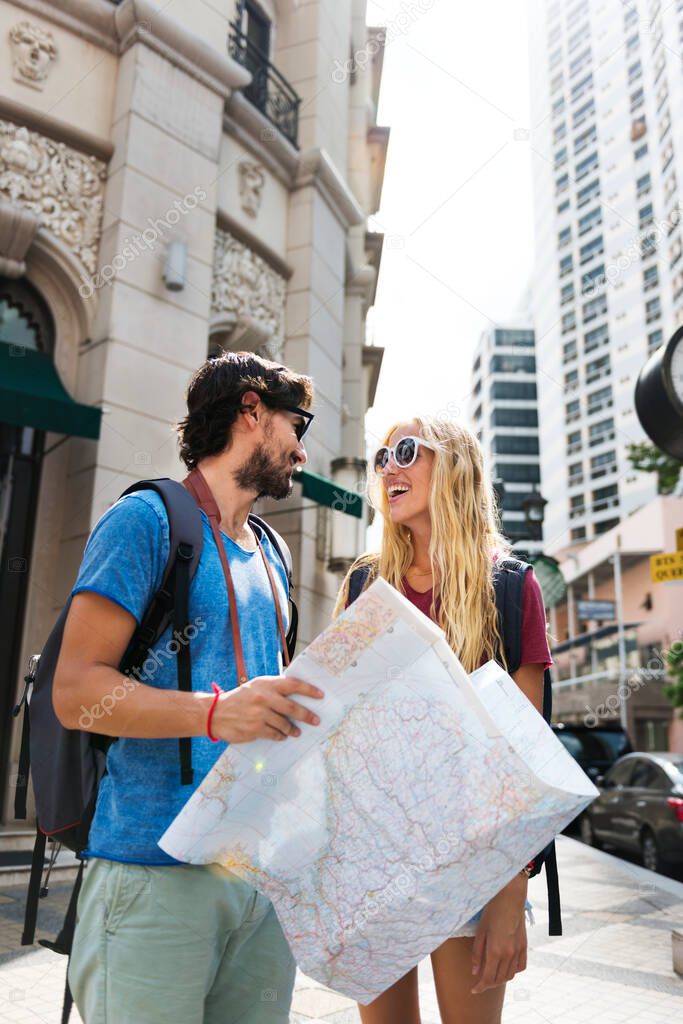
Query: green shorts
(183, 945)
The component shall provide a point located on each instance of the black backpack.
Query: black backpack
(508, 585)
(68, 764)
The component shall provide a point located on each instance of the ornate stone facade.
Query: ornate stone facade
(63, 187)
(33, 51)
(246, 288)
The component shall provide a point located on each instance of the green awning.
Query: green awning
(327, 492)
(32, 395)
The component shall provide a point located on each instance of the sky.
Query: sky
(456, 206)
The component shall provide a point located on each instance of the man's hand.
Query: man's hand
(500, 945)
(261, 709)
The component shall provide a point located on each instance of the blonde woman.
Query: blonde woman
(439, 548)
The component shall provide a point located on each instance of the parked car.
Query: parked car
(596, 748)
(640, 809)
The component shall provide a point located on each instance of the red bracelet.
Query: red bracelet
(217, 692)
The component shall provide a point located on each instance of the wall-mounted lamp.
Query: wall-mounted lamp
(175, 265)
(347, 531)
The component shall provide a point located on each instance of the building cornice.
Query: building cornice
(53, 128)
(316, 168)
(117, 28)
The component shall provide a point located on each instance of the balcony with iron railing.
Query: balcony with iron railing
(269, 91)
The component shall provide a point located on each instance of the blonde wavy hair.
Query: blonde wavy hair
(465, 539)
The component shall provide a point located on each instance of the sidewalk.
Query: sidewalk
(611, 966)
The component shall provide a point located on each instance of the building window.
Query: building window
(569, 351)
(643, 185)
(590, 220)
(571, 380)
(582, 114)
(675, 251)
(595, 338)
(561, 184)
(664, 124)
(581, 88)
(503, 417)
(568, 322)
(577, 533)
(669, 186)
(652, 310)
(518, 473)
(513, 444)
(594, 308)
(637, 99)
(634, 72)
(645, 216)
(566, 265)
(577, 506)
(588, 192)
(572, 410)
(562, 207)
(605, 497)
(648, 246)
(514, 337)
(556, 83)
(586, 166)
(512, 364)
(654, 340)
(600, 432)
(573, 442)
(630, 16)
(567, 294)
(509, 389)
(559, 132)
(558, 106)
(603, 464)
(591, 249)
(667, 155)
(597, 368)
(592, 279)
(639, 153)
(575, 474)
(580, 62)
(650, 277)
(560, 157)
(564, 237)
(598, 400)
(584, 140)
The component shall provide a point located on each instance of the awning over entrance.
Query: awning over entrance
(32, 395)
(327, 492)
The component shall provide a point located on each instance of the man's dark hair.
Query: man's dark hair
(215, 394)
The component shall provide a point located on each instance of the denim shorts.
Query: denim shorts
(469, 929)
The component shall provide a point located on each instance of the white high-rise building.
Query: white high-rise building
(503, 411)
(607, 142)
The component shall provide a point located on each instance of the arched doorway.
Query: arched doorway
(25, 325)
(33, 402)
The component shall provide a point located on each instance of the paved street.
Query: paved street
(612, 965)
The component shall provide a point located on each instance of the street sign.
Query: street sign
(597, 610)
(679, 539)
(668, 566)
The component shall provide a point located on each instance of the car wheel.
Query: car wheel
(650, 851)
(587, 834)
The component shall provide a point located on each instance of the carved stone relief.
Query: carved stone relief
(33, 51)
(251, 182)
(64, 188)
(246, 290)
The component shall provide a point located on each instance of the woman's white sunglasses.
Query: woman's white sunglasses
(404, 453)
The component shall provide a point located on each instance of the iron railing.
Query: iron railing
(269, 91)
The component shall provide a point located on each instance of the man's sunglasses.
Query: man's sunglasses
(301, 427)
(404, 453)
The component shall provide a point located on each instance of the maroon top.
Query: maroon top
(535, 649)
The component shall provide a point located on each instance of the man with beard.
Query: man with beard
(157, 940)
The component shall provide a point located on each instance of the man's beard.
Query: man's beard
(263, 473)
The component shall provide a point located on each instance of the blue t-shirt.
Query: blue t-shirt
(124, 561)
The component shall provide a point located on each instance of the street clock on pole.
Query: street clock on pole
(659, 396)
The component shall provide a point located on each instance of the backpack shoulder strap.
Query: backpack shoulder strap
(358, 578)
(508, 585)
(171, 601)
(285, 556)
(186, 538)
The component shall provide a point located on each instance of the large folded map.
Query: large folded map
(379, 832)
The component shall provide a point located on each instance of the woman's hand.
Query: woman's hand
(500, 944)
